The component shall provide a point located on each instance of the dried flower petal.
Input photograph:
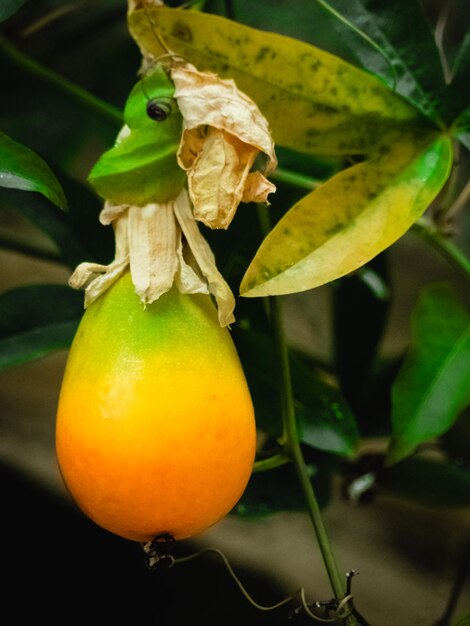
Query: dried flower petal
(97, 278)
(205, 259)
(153, 235)
(133, 5)
(150, 240)
(218, 177)
(257, 188)
(224, 131)
(223, 134)
(188, 278)
(205, 99)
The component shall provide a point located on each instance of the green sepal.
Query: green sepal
(141, 167)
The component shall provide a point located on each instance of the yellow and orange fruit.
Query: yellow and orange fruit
(155, 425)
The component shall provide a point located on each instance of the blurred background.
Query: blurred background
(409, 541)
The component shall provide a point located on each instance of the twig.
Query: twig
(439, 39)
(277, 460)
(295, 178)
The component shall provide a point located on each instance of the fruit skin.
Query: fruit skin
(155, 426)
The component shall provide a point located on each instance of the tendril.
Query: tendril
(158, 554)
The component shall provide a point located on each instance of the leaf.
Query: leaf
(350, 219)
(458, 91)
(401, 30)
(359, 318)
(35, 344)
(35, 321)
(21, 168)
(331, 106)
(433, 385)
(77, 233)
(461, 129)
(325, 420)
(9, 8)
(429, 482)
(278, 489)
(463, 621)
(309, 21)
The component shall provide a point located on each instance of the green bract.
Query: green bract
(142, 166)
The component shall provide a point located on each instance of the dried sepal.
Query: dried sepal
(96, 278)
(204, 259)
(257, 188)
(223, 133)
(134, 5)
(162, 246)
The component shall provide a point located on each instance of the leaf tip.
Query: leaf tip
(397, 451)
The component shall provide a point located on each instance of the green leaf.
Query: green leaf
(308, 21)
(401, 31)
(432, 483)
(331, 106)
(458, 90)
(35, 344)
(325, 420)
(350, 219)
(461, 128)
(433, 386)
(77, 233)
(35, 321)
(278, 489)
(359, 318)
(270, 492)
(463, 621)
(21, 168)
(9, 8)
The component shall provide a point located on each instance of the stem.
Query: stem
(292, 449)
(40, 71)
(291, 444)
(444, 211)
(54, 15)
(295, 179)
(270, 463)
(439, 39)
(447, 249)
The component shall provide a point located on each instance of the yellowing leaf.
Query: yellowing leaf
(349, 219)
(314, 101)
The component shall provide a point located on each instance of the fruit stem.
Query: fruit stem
(290, 442)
